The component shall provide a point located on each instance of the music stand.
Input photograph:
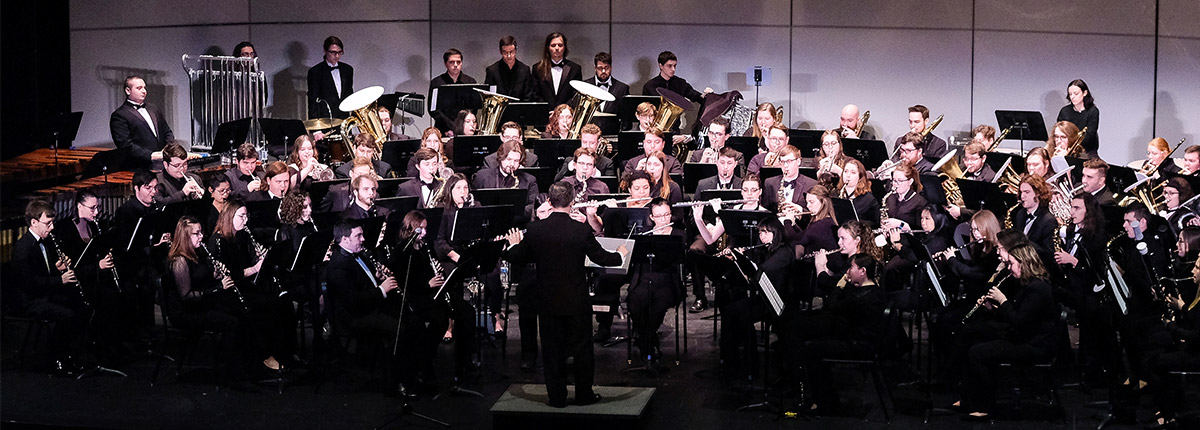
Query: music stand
(480, 222)
(318, 189)
(1120, 177)
(769, 172)
(400, 205)
(230, 135)
(613, 182)
(264, 214)
(726, 195)
(433, 219)
(1028, 125)
(388, 186)
(553, 152)
(624, 222)
(104, 162)
(456, 96)
(525, 113)
(371, 228)
(743, 223)
(931, 188)
(397, 152)
(807, 141)
(627, 107)
(871, 153)
(694, 172)
(843, 210)
(997, 159)
(747, 145)
(63, 129)
(513, 198)
(469, 151)
(660, 250)
(279, 133)
(544, 176)
(198, 208)
(629, 145)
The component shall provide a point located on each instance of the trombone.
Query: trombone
(1149, 169)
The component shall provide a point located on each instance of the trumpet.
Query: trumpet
(190, 180)
(706, 202)
(595, 203)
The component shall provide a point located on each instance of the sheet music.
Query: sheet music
(764, 282)
(937, 285)
(298, 252)
(611, 244)
(135, 231)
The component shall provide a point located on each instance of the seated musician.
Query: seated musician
(718, 133)
(661, 183)
(776, 139)
(644, 114)
(276, 183)
(904, 203)
(364, 146)
(364, 189)
(764, 119)
(1157, 154)
(935, 236)
(385, 120)
(303, 166)
(1062, 139)
(848, 123)
(426, 317)
(559, 125)
(245, 176)
(425, 185)
(1191, 161)
(1176, 191)
(654, 288)
(511, 132)
(585, 185)
(821, 232)
(339, 197)
(1081, 261)
(1187, 249)
(653, 143)
(295, 218)
(589, 138)
(432, 138)
(447, 106)
(464, 125)
(855, 187)
(968, 272)
(791, 185)
(48, 288)
(975, 166)
(1032, 214)
(457, 195)
(270, 318)
(1095, 179)
(198, 298)
(986, 135)
(846, 327)
(1037, 163)
(136, 267)
(830, 158)
(911, 150)
(1029, 316)
(931, 145)
(854, 237)
(506, 174)
(175, 184)
(640, 187)
(1173, 349)
(726, 167)
(710, 234)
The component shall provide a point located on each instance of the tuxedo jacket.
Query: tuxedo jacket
(770, 193)
(337, 199)
(412, 188)
(130, 130)
(531, 160)
(1041, 233)
(618, 89)
(558, 245)
(382, 168)
(38, 276)
(710, 183)
(544, 88)
(604, 167)
(320, 85)
(522, 85)
(490, 178)
(351, 288)
(448, 107)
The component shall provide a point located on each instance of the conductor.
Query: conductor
(558, 245)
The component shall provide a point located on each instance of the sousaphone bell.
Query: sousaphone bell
(364, 113)
(590, 97)
(670, 107)
(488, 120)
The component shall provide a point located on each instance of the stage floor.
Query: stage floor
(688, 395)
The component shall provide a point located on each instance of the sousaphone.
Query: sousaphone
(488, 120)
(590, 97)
(364, 113)
(670, 107)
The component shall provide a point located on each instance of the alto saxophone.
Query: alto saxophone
(1008, 216)
(883, 209)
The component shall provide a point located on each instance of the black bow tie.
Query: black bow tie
(137, 106)
(557, 65)
(603, 85)
(335, 67)
(788, 184)
(428, 184)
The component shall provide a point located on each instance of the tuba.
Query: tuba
(590, 97)
(365, 114)
(951, 171)
(488, 121)
(670, 107)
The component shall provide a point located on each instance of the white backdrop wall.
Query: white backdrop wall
(961, 58)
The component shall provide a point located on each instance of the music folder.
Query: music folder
(513, 198)
(462, 96)
(807, 141)
(871, 153)
(611, 244)
(843, 210)
(469, 151)
(976, 194)
(747, 145)
(742, 223)
(771, 294)
(312, 250)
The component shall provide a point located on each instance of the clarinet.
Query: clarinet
(979, 305)
(64, 258)
(437, 271)
(222, 272)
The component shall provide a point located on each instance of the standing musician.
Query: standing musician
(904, 203)
(1030, 318)
(727, 166)
(790, 185)
(425, 185)
(557, 245)
(559, 124)
(662, 185)
(48, 288)
(718, 133)
(667, 62)
(918, 121)
(447, 107)
(653, 143)
(554, 72)
(1082, 111)
(848, 122)
(364, 189)
(339, 197)
(175, 184)
(654, 287)
(1037, 163)
(457, 195)
(329, 82)
(605, 80)
(269, 317)
(1062, 139)
(199, 298)
(139, 126)
(1176, 191)
(854, 186)
(589, 138)
(510, 76)
(244, 176)
(303, 167)
(1094, 181)
(364, 147)
(275, 184)
(830, 158)
(505, 174)
(776, 139)
(1032, 214)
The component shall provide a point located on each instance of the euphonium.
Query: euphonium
(1009, 180)
(951, 171)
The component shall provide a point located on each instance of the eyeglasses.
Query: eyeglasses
(90, 208)
(178, 165)
(222, 191)
(907, 150)
(788, 160)
(666, 215)
(580, 163)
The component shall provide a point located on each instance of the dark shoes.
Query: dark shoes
(699, 306)
(587, 400)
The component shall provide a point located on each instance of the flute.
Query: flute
(814, 253)
(718, 201)
(603, 202)
(738, 249)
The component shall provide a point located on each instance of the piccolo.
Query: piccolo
(604, 202)
(706, 202)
